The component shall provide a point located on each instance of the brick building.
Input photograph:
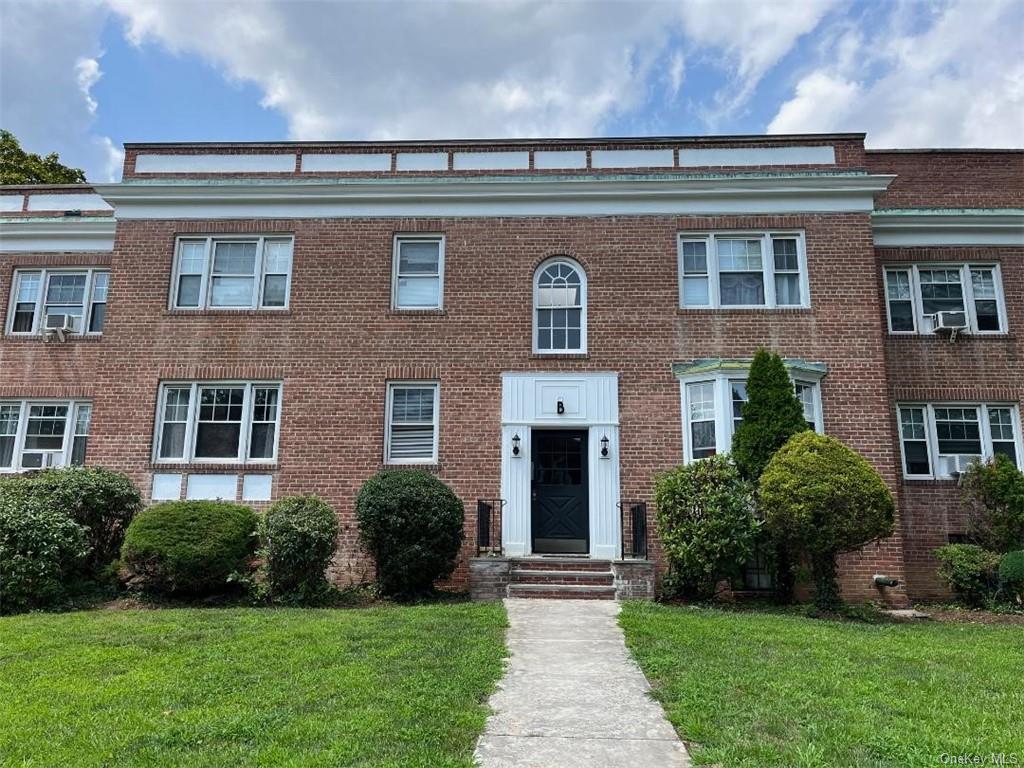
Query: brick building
(545, 324)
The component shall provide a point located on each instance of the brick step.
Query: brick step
(591, 578)
(562, 564)
(561, 591)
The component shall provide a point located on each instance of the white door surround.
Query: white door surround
(587, 401)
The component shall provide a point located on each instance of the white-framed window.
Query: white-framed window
(220, 422)
(560, 307)
(712, 406)
(743, 270)
(933, 435)
(411, 422)
(914, 293)
(55, 298)
(35, 434)
(417, 272)
(232, 272)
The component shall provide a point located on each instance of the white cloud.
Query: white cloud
(957, 80)
(49, 61)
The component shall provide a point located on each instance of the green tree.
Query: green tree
(20, 167)
(825, 499)
(771, 416)
(993, 492)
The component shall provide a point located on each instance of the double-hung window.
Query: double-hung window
(71, 300)
(411, 422)
(743, 270)
(916, 293)
(713, 409)
(45, 433)
(932, 436)
(232, 273)
(417, 277)
(218, 422)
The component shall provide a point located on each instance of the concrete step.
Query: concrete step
(562, 591)
(534, 576)
(561, 564)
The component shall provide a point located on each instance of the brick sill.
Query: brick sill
(227, 313)
(39, 339)
(435, 468)
(403, 313)
(931, 338)
(942, 482)
(736, 312)
(198, 469)
(556, 356)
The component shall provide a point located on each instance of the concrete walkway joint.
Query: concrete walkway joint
(573, 696)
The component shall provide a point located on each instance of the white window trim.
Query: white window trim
(395, 248)
(64, 455)
(584, 299)
(38, 328)
(260, 274)
(932, 437)
(722, 381)
(916, 301)
(242, 457)
(388, 406)
(767, 267)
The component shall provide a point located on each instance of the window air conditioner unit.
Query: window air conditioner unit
(959, 463)
(59, 326)
(950, 321)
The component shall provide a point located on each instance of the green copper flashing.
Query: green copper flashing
(720, 365)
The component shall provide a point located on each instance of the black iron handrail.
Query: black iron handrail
(633, 529)
(488, 526)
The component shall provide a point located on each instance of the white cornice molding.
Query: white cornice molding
(520, 196)
(47, 235)
(913, 227)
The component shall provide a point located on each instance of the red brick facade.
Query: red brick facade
(339, 343)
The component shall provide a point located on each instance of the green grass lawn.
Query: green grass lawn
(762, 689)
(388, 686)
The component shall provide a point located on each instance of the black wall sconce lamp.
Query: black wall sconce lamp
(515, 446)
(604, 447)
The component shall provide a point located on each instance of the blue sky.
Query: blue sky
(83, 76)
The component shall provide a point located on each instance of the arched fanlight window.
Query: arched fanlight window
(560, 307)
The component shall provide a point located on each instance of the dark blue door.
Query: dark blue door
(560, 514)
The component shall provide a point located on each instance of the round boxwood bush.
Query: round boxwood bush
(1011, 576)
(706, 523)
(101, 501)
(411, 523)
(299, 536)
(824, 498)
(970, 571)
(40, 549)
(188, 547)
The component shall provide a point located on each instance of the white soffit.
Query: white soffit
(554, 159)
(741, 156)
(910, 228)
(265, 163)
(520, 196)
(631, 158)
(362, 162)
(421, 161)
(67, 203)
(490, 161)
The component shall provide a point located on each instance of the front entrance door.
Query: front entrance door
(559, 512)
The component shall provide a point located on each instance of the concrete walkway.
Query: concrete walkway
(573, 696)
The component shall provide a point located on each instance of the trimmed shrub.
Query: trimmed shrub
(412, 524)
(970, 571)
(824, 499)
(101, 501)
(1011, 577)
(771, 415)
(188, 547)
(706, 523)
(994, 495)
(299, 536)
(40, 549)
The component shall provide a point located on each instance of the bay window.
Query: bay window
(917, 292)
(235, 272)
(743, 270)
(218, 422)
(35, 434)
(932, 436)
